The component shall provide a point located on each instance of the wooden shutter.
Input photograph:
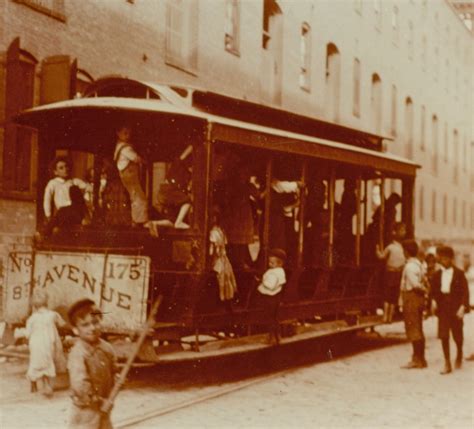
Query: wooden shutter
(20, 79)
(57, 80)
(192, 34)
(174, 32)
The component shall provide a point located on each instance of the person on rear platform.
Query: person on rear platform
(451, 301)
(128, 164)
(92, 366)
(413, 292)
(394, 258)
(60, 194)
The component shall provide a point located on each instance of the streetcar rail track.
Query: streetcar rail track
(161, 411)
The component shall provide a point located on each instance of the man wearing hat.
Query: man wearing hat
(451, 294)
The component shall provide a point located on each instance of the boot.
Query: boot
(386, 306)
(391, 311)
(421, 346)
(458, 361)
(447, 357)
(33, 387)
(447, 368)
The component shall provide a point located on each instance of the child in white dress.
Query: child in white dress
(46, 352)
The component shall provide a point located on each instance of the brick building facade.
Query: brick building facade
(398, 68)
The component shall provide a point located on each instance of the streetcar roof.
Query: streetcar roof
(60, 113)
(205, 100)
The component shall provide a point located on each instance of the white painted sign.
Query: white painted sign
(16, 290)
(117, 283)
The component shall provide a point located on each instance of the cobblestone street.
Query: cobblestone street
(366, 389)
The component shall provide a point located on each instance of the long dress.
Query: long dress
(221, 264)
(46, 351)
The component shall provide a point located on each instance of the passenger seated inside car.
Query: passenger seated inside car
(272, 282)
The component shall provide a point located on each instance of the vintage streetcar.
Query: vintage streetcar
(323, 193)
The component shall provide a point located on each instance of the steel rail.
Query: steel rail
(131, 421)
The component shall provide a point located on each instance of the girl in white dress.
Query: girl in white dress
(46, 351)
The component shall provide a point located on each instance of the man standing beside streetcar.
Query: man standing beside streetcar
(451, 295)
(413, 296)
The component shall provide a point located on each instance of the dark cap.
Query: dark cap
(278, 253)
(79, 309)
(410, 247)
(445, 251)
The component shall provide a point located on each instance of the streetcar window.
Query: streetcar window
(171, 186)
(238, 181)
(345, 209)
(317, 217)
(285, 193)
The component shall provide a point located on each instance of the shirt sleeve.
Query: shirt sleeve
(284, 187)
(60, 322)
(79, 379)
(129, 153)
(270, 281)
(48, 198)
(465, 298)
(413, 276)
(384, 253)
(79, 183)
(28, 327)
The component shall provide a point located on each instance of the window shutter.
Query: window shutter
(20, 78)
(192, 39)
(56, 78)
(174, 31)
(13, 79)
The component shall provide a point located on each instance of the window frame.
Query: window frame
(186, 34)
(232, 27)
(356, 87)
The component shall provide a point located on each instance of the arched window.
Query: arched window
(333, 76)
(455, 156)
(445, 209)
(433, 206)
(393, 119)
(423, 128)
(395, 29)
(455, 211)
(232, 26)
(376, 102)
(423, 52)
(356, 88)
(411, 37)
(182, 34)
(305, 56)
(421, 203)
(434, 143)
(409, 127)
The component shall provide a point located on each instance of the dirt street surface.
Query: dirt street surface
(354, 384)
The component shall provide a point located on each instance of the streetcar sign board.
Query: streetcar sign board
(117, 283)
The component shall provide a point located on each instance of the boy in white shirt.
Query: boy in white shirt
(413, 291)
(56, 193)
(394, 257)
(269, 290)
(274, 278)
